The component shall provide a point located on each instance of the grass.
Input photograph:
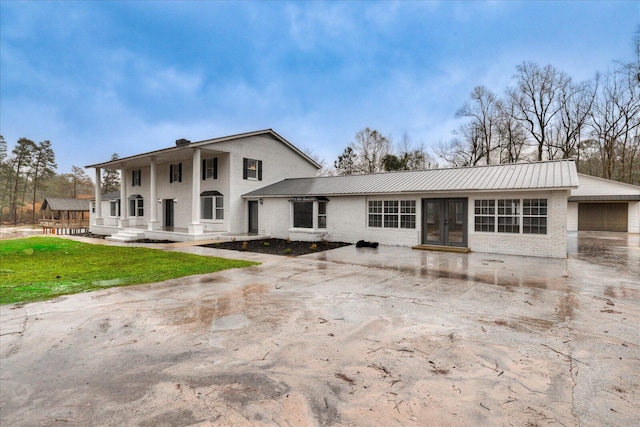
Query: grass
(41, 268)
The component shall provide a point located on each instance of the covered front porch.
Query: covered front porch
(174, 234)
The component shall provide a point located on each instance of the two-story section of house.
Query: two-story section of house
(194, 189)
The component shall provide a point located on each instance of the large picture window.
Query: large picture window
(302, 214)
(534, 216)
(309, 212)
(211, 205)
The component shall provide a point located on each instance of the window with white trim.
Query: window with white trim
(322, 214)
(375, 213)
(211, 205)
(309, 212)
(407, 214)
(485, 211)
(136, 206)
(392, 213)
(534, 216)
(114, 208)
(509, 216)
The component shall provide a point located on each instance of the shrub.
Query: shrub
(287, 251)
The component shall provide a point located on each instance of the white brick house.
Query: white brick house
(260, 184)
(193, 190)
(518, 209)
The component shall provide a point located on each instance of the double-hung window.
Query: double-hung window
(509, 216)
(322, 214)
(136, 206)
(210, 168)
(136, 177)
(211, 205)
(175, 172)
(534, 216)
(485, 211)
(252, 169)
(114, 208)
(407, 214)
(375, 213)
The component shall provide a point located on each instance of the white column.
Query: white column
(97, 216)
(154, 223)
(195, 227)
(124, 207)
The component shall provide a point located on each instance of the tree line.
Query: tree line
(545, 115)
(28, 175)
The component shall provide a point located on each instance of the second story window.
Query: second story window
(175, 172)
(252, 169)
(210, 168)
(136, 177)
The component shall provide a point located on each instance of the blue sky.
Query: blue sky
(129, 77)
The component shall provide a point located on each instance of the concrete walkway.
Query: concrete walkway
(352, 336)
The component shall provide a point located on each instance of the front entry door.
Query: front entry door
(444, 222)
(168, 213)
(253, 216)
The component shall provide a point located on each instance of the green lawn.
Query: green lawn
(40, 268)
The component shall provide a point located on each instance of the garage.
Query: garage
(603, 217)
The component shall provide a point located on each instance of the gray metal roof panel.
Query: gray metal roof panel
(62, 204)
(517, 176)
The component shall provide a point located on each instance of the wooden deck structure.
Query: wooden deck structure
(65, 216)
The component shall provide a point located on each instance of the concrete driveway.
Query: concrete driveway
(390, 337)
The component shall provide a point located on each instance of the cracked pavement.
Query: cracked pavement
(353, 336)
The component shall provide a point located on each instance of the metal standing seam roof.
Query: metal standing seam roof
(559, 174)
(61, 204)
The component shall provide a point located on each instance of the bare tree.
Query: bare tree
(614, 118)
(576, 101)
(512, 136)
(371, 147)
(537, 98)
(483, 114)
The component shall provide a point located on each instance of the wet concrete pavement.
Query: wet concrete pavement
(353, 336)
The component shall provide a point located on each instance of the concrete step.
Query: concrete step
(126, 236)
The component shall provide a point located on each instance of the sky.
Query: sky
(128, 77)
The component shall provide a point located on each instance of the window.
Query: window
(252, 169)
(210, 168)
(407, 214)
(175, 172)
(392, 213)
(375, 213)
(93, 207)
(509, 216)
(136, 177)
(302, 214)
(136, 206)
(114, 208)
(485, 211)
(211, 205)
(534, 216)
(322, 214)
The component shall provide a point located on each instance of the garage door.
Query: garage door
(603, 216)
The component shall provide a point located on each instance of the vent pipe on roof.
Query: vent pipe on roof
(180, 142)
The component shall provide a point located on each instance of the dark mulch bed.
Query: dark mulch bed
(278, 246)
